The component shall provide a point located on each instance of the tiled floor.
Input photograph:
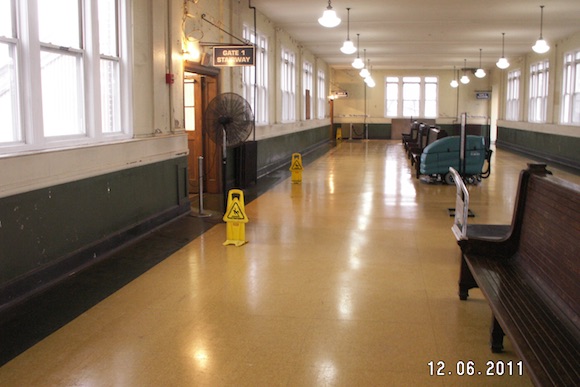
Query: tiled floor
(348, 279)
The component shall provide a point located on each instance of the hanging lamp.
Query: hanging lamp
(369, 79)
(329, 18)
(541, 46)
(454, 84)
(358, 63)
(502, 63)
(464, 79)
(480, 73)
(348, 46)
(365, 71)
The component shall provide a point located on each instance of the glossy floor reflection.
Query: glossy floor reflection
(349, 278)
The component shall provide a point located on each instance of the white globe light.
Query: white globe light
(329, 18)
(348, 47)
(358, 63)
(541, 47)
(503, 63)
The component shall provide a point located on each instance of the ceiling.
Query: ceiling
(424, 34)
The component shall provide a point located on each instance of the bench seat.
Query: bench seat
(530, 275)
(527, 315)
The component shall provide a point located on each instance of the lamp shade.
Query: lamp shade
(541, 47)
(348, 47)
(329, 18)
(480, 73)
(503, 63)
(454, 84)
(358, 63)
(464, 79)
(370, 81)
(364, 73)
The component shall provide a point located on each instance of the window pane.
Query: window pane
(430, 91)
(9, 117)
(108, 27)
(392, 97)
(59, 24)
(62, 94)
(576, 109)
(6, 18)
(411, 91)
(110, 96)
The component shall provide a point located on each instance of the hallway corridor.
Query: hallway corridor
(348, 279)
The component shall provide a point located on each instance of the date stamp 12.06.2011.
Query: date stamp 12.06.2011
(471, 368)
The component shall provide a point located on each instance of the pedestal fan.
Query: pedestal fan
(229, 121)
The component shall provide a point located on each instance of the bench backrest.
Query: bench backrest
(414, 129)
(549, 240)
(422, 136)
(459, 227)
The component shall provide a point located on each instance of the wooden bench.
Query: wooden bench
(530, 276)
(433, 134)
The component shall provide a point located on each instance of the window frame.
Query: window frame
(321, 95)
(538, 91)
(28, 47)
(307, 84)
(401, 84)
(288, 85)
(260, 84)
(512, 109)
(570, 110)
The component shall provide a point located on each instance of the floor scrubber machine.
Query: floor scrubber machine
(438, 156)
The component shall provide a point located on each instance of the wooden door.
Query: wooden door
(193, 127)
(212, 147)
(199, 90)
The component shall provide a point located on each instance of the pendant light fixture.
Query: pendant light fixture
(541, 46)
(502, 63)
(358, 63)
(480, 73)
(365, 71)
(329, 18)
(348, 46)
(464, 79)
(454, 84)
(369, 80)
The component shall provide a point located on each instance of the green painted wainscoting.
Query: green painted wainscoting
(51, 232)
(275, 152)
(563, 150)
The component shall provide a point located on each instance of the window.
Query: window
(538, 106)
(189, 101)
(411, 97)
(307, 89)
(255, 80)
(10, 131)
(61, 81)
(321, 93)
(512, 111)
(288, 86)
(571, 89)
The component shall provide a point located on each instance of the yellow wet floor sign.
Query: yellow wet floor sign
(296, 168)
(235, 218)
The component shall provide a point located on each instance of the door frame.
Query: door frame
(198, 141)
